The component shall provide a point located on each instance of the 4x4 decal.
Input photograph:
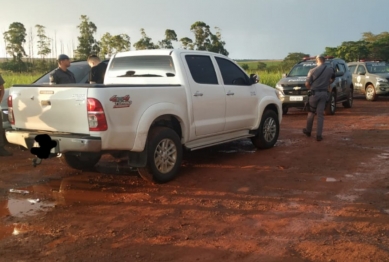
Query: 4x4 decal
(121, 101)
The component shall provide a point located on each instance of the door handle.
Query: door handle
(198, 94)
(230, 93)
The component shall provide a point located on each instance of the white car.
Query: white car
(151, 105)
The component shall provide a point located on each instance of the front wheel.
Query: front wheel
(164, 155)
(370, 93)
(331, 105)
(268, 131)
(350, 99)
(82, 161)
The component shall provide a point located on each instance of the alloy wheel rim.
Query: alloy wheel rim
(370, 93)
(269, 129)
(165, 155)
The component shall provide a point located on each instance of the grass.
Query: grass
(19, 78)
(267, 78)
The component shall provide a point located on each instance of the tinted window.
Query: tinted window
(361, 69)
(377, 68)
(352, 68)
(340, 68)
(142, 66)
(301, 69)
(201, 69)
(232, 74)
(79, 69)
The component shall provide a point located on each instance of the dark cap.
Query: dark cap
(63, 57)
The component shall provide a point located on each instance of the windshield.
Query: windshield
(79, 69)
(142, 66)
(377, 68)
(301, 69)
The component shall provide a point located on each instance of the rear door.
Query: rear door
(361, 78)
(54, 108)
(208, 97)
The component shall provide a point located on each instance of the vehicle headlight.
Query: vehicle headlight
(280, 91)
(382, 80)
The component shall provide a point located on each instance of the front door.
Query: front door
(360, 78)
(241, 96)
(207, 95)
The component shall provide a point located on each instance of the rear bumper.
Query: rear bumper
(65, 142)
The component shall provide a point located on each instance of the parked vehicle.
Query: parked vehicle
(152, 104)
(293, 93)
(370, 78)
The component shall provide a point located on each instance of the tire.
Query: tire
(285, 110)
(82, 161)
(268, 131)
(331, 106)
(164, 155)
(350, 99)
(370, 93)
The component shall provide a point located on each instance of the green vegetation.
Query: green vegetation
(19, 78)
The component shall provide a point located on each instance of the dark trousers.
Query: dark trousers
(317, 102)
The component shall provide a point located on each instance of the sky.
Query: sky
(252, 29)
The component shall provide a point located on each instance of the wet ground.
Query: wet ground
(302, 200)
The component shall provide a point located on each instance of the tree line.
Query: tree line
(108, 45)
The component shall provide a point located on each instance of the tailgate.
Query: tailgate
(62, 109)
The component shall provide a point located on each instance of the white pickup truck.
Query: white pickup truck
(152, 105)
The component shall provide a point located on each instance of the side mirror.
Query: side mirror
(361, 73)
(254, 79)
(339, 74)
(284, 75)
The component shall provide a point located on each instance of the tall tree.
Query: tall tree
(87, 42)
(353, 50)
(187, 43)
(145, 42)
(202, 32)
(15, 38)
(111, 44)
(217, 45)
(43, 41)
(170, 35)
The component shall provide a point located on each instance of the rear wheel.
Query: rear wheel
(331, 105)
(268, 131)
(370, 93)
(164, 155)
(350, 99)
(81, 160)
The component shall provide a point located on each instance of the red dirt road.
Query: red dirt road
(302, 200)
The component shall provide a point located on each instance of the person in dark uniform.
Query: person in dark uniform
(318, 81)
(97, 72)
(3, 151)
(62, 75)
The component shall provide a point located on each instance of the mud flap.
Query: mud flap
(137, 159)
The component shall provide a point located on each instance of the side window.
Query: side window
(361, 69)
(232, 75)
(352, 68)
(341, 67)
(201, 69)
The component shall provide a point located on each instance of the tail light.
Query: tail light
(96, 116)
(11, 117)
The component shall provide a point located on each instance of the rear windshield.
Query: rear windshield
(377, 68)
(142, 66)
(79, 69)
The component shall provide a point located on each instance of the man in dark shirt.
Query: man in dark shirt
(62, 75)
(97, 72)
(318, 81)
